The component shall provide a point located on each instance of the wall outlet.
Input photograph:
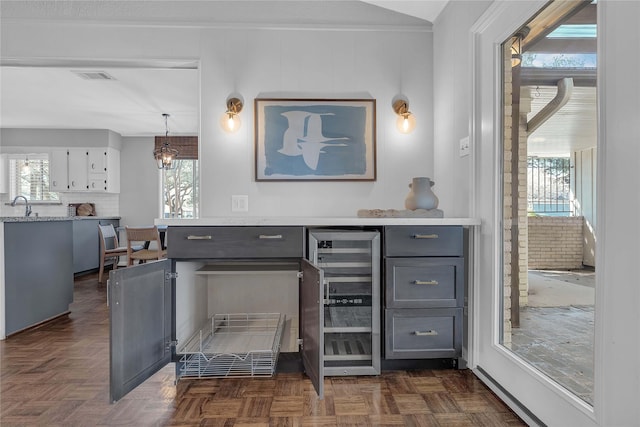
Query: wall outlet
(464, 146)
(239, 203)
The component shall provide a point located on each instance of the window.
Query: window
(549, 182)
(180, 190)
(180, 186)
(29, 177)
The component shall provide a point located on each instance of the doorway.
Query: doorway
(548, 187)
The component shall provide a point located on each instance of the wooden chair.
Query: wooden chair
(147, 235)
(109, 248)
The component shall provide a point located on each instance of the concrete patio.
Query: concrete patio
(556, 328)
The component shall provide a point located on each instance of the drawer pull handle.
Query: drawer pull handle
(425, 236)
(194, 237)
(425, 282)
(425, 333)
(270, 236)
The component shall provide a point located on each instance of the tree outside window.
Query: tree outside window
(180, 190)
(180, 186)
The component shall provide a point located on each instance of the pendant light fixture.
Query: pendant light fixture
(516, 46)
(165, 155)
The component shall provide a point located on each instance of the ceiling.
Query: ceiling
(53, 95)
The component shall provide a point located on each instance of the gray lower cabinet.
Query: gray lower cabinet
(86, 243)
(38, 272)
(424, 291)
(172, 310)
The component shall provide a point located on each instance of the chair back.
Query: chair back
(142, 234)
(146, 235)
(108, 237)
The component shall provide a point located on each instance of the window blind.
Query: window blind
(187, 146)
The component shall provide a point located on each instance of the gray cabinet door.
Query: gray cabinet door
(140, 301)
(312, 323)
(86, 245)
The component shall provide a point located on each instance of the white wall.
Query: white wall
(139, 182)
(314, 63)
(310, 62)
(584, 190)
(452, 93)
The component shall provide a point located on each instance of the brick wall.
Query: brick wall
(555, 242)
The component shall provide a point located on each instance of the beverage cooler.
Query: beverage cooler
(350, 261)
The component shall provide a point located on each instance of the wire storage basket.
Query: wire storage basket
(234, 345)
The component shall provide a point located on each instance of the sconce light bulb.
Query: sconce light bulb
(230, 122)
(405, 123)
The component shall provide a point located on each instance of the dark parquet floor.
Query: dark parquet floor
(58, 375)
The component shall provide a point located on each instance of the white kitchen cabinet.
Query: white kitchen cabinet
(104, 170)
(85, 169)
(77, 169)
(58, 171)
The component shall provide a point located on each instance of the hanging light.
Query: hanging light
(165, 155)
(26, 168)
(516, 46)
(516, 50)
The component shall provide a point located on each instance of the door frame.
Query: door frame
(532, 395)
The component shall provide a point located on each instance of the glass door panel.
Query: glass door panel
(350, 261)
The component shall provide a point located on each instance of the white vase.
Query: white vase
(421, 196)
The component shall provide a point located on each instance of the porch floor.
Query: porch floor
(557, 327)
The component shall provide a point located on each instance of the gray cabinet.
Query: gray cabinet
(424, 291)
(38, 276)
(203, 262)
(86, 243)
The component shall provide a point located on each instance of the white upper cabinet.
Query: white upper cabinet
(85, 169)
(58, 171)
(104, 170)
(77, 172)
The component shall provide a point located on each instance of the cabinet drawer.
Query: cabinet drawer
(428, 333)
(424, 282)
(235, 242)
(423, 241)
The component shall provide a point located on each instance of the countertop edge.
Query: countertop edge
(12, 219)
(314, 221)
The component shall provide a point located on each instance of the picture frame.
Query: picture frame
(315, 139)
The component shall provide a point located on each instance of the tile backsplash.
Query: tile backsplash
(106, 205)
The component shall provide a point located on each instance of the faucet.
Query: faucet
(27, 206)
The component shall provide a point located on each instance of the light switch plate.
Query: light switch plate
(239, 203)
(464, 146)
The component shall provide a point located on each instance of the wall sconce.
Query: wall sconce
(230, 120)
(165, 155)
(516, 46)
(406, 121)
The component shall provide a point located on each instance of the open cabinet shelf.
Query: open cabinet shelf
(233, 345)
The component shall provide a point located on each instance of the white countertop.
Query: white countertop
(52, 218)
(314, 221)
